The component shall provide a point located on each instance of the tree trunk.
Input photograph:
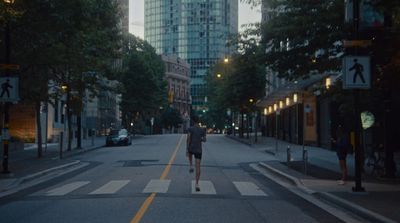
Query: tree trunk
(38, 129)
(241, 133)
(69, 118)
(79, 132)
(248, 120)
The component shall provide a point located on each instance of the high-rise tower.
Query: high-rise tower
(194, 30)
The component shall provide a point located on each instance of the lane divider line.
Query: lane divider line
(146, 204)
(171, 161)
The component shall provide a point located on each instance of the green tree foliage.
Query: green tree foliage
(56, 42)
(302, 37)
(242, 79)
(171, 117)
(143, 85)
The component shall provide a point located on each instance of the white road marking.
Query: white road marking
(65, 189)
(206, 187)
(157, 186)
(111, 187)
(248, 189)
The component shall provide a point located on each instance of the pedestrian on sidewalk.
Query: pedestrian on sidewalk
(196, 135)
(342, 144)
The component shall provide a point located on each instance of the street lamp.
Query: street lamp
(219, 75)
(280, 104)
(328, 83)
(6, 104)
(295, 97)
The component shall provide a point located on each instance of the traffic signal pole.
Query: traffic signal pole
(5, 133)
(356, 93)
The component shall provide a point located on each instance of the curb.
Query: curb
(30, 177)
(295, 181)
(358, 210)
(354, 208)
(76, 151)
(40, 177)
(84, 150)
(239, 140)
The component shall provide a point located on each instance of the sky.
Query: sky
(136, 16)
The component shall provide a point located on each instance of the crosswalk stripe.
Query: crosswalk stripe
(157, 186)
(248, 189)
(206, 187)
(111, 187)
(65, 189)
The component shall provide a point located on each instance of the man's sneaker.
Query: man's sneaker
(197, 188)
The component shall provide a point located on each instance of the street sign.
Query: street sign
(9, 66)
(9, 91)
(357, 43)
(357, 72)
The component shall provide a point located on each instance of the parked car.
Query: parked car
(119, 137)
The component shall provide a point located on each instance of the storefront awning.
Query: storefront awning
(289, 89)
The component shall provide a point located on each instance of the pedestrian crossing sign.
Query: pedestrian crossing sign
(9, 89)
(357, 72)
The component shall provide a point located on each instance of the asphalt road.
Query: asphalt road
(149, 181)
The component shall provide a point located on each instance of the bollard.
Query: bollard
(305, 160)
(288, 156)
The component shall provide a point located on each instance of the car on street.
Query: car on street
(118, 137)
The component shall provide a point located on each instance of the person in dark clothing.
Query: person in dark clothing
(341, 144)
(196, 135)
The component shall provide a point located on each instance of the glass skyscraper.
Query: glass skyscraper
(194, 30)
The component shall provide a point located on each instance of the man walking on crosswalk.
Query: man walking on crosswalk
(196, 135)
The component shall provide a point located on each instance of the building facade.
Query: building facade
(289, 107)
(177, 73)
(194, 30)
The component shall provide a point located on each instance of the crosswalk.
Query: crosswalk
(207, 187)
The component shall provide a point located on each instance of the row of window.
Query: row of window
(174, 68)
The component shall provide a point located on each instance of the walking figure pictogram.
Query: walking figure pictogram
(5, 88)
(358, 71)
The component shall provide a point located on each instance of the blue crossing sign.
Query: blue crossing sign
(9, 91)
(356, 72)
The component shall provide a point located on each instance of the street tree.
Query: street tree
(56, 43)
(303, 37)
(144, 89)
(242, 81)
(171, 118)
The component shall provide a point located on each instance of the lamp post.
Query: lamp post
(5, 133)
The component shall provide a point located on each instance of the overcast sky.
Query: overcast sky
(136, 16)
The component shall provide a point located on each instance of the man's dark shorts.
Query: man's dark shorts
(196, 155)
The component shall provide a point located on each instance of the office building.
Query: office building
(194, 30)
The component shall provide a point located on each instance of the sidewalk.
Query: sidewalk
(25, 166)
(379, 203)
